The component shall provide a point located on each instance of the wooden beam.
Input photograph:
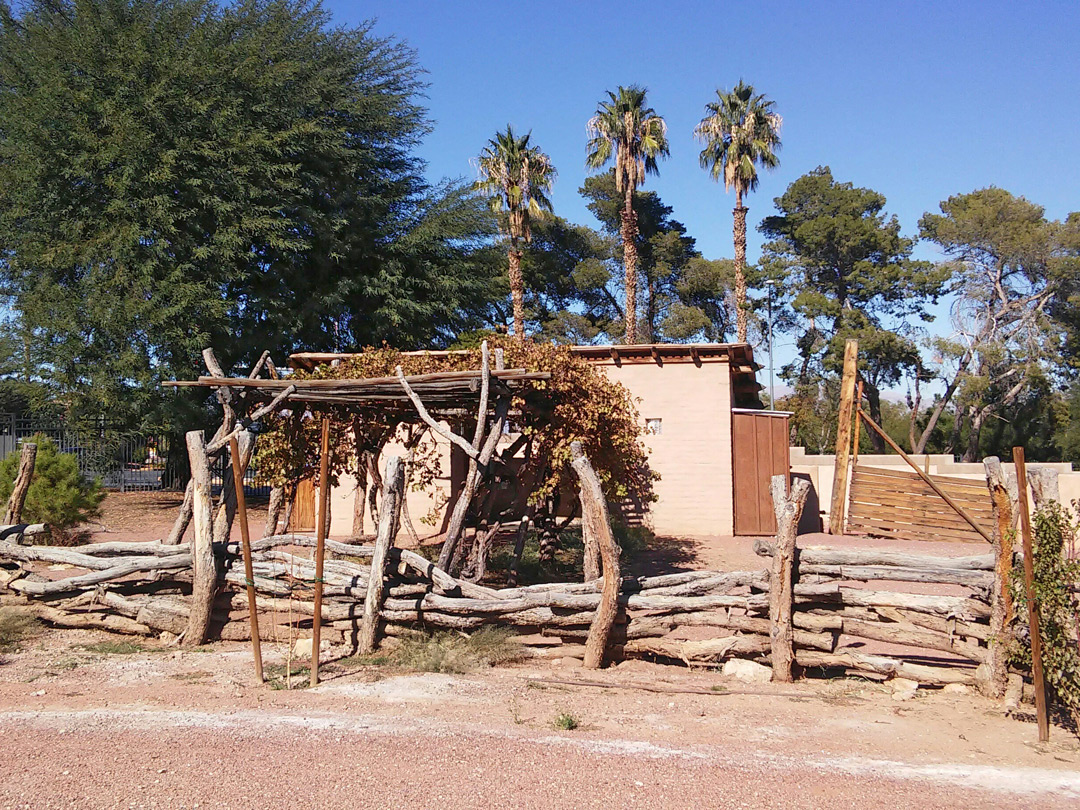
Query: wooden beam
(204, 577)
(389, 515)
(320, 546)
(838, 509)
(1001, 607)
(1029, 590)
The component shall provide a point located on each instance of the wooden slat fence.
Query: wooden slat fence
(897, 503)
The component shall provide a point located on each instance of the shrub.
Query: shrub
(1054, 577)
(58, 494)
(453, 652)
(565, 721)
(15, 626)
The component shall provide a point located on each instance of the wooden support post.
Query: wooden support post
(788, 508)
(245, 542)
(1001, 608)
(595, 516)
(27, 458)
(320, 546)
(205, 574)
(930, 482)
(1029, 589)
(838, 507)
(858, 436)
(389, 517)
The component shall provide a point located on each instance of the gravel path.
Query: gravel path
(184, 759)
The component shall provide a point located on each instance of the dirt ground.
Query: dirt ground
(90, 724)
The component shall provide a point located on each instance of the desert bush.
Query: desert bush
(565, 721)
(58, 494)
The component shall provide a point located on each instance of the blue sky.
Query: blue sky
(917, 100)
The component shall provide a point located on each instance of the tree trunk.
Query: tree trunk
(274, 510)
(630, 262)
(226, 511)
(360, 496)
(595, 515)
(22, 484)
(517, 290)
(971, 453)
(740, 268)
(873, 398)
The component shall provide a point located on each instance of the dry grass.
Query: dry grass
(16, 626)
(450, 652)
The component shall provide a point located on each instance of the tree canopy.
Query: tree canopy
(175, 175)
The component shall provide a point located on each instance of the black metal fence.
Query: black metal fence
(122, 460)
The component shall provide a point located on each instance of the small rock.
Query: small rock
(903, 685)
(746, 671)
(571, 663)
(302, 648)
(956, 689)
(38, 693)
(168, 638)
(903, 695)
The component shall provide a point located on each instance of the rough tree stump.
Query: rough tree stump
(27, 458)
(788, 507)
(389, 517)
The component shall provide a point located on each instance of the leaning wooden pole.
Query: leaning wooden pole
(204, 577)
(838, 506)
(925, 477)
(595, 518)
(788, 508)
(245, 542)
(27, 458)
(1029, 589)
(320, 546)
(389, 520)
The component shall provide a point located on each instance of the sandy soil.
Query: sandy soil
(81, 726)
(163, 728)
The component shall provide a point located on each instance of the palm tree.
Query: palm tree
(517, 177)
(624, 126)
(740, 132)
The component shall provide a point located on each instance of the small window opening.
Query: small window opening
(654, 427)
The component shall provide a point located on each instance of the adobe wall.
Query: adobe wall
(692, 453)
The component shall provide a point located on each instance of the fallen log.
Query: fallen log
(881, 665)
(90, 620)
(46, 588)
(69, 556)
(693, 652)
(16, 532)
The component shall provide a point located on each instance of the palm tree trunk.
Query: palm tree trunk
(517, 291)
(629, 239)
(740, 266)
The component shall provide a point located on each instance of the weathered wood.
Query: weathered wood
(205, 576)
(245, 542)
(1029, 591)
(926, 478)
(960, 606)
(831, 556)
(320, 546)
(226, 511)
(706, 651)
(393, 494)
(25, 475)
(788, 508)
(594, 514)
(913, 636)
(90, 620)
(18, 532)
(944, 576)
(519, 548)
(838, 508)
(882, 665)
(273, 511)
(442, 580)
(1001, 607)
(129, 566)
(1045, 486)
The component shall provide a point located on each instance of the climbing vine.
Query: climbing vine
(577, 403)
(1055, 577)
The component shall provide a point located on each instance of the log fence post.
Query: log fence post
(1001, 607)
(27, 459)
(1032, 605)
(320, 546)
(595, 517)
(788, 508)
(389, 517)
(245, 545)
(838, 505)
(204, 566)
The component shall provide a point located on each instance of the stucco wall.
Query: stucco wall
(693, 451)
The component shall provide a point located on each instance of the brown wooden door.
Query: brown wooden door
(303, 515)
(759, 450)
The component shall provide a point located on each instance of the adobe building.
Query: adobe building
(709, 439)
